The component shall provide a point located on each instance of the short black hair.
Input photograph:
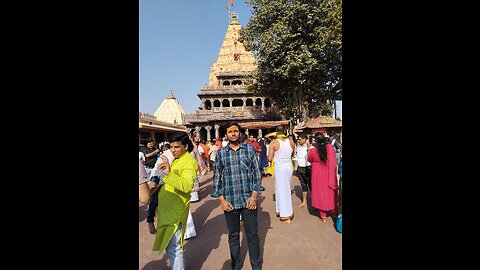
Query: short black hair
(280, 129)
(232, 123)
(304, 136)
(183, 139)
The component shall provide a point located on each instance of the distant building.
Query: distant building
(167, 119)
(323, 124)
(226, 97)
(171, 111)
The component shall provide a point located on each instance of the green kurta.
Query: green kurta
(174, 200)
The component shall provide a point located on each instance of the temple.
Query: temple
(167, 119)
(226, 97)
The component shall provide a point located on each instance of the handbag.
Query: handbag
(338, 224)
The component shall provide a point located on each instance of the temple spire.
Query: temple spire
(170, 111)
(232, 57)
(171, 95)
(232, 15)
(233, 18)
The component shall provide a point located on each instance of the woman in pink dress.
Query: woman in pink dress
(324, 176)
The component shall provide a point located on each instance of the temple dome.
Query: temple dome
(170, 111)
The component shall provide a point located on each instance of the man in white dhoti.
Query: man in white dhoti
(281, 150)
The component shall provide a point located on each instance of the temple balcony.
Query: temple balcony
(231, 113)
(223, 90)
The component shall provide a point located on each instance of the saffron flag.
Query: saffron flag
(231, 2)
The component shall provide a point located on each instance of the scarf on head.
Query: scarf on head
(281, 137)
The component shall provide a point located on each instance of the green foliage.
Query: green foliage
(298, 46)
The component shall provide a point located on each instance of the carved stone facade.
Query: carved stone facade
(226, 98)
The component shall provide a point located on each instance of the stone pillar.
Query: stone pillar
(244, 102)
(189, 130)
(263, 103)
(260, 132)
(246, 131)
(208, 128)
(197, 131)
(217, 134)
(152, 135)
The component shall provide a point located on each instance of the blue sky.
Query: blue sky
(339, 109)
(179, 41)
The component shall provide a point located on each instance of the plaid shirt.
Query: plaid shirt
(236, 174)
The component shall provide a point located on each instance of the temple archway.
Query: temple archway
(208, 105)
(225, 103)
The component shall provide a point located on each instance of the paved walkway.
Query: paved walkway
(306, 243)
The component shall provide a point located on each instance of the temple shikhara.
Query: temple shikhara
(226, 97)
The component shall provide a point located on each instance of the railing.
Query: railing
(151, 119)
(142, 115)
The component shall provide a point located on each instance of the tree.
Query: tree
(298, 47)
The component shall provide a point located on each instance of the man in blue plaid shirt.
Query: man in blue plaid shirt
(236, 184)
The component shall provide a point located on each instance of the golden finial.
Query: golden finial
(171, 95)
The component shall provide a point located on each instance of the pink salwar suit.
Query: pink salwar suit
(324, 181)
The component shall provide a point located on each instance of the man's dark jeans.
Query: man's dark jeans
(153, 204)
(249, 219)
(152, 207)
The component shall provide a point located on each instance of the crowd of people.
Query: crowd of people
(169, 176)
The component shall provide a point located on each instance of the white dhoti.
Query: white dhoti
(190, 230)
(283, 196)
(194, 192)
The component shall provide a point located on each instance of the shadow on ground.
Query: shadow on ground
(158, 264)
(197, 250)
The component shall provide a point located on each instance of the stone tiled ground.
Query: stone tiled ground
(306, 243)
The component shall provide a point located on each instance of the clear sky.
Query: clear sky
(339, 109)
(179, 41)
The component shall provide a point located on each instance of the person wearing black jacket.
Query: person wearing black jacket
(151, 155)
